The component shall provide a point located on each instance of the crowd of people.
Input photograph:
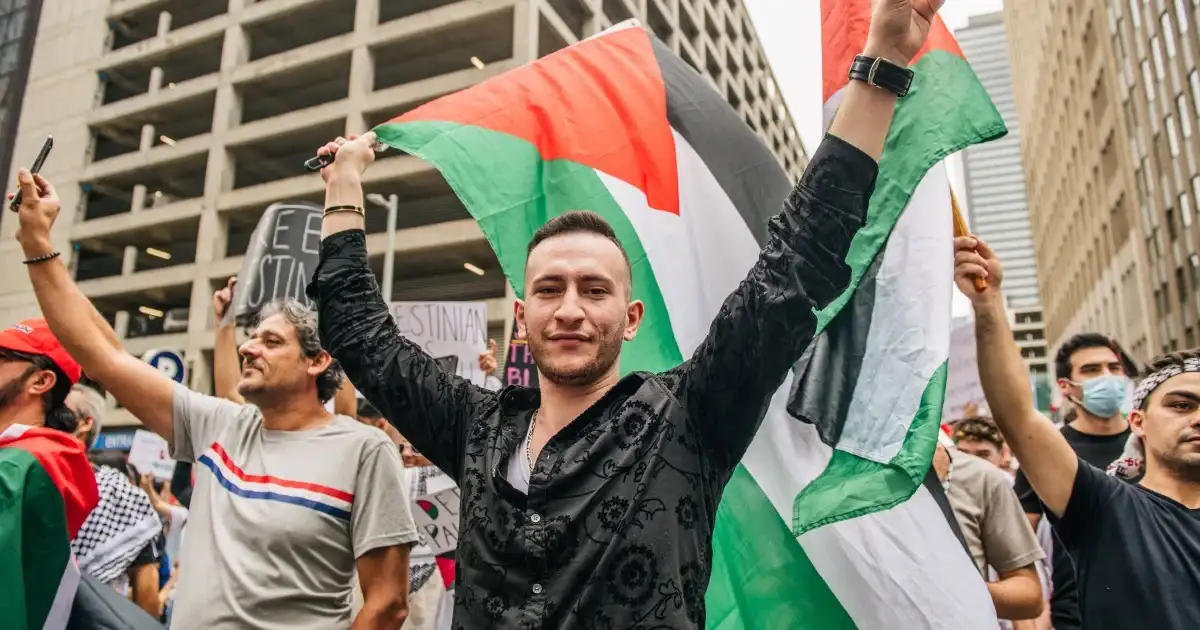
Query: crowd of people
(293, 506)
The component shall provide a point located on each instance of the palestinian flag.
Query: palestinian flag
(47, 489)
(619, 125)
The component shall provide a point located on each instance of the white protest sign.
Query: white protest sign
(437, 520)
(452, 332)
(150, 455)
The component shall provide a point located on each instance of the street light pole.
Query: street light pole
(392, 203)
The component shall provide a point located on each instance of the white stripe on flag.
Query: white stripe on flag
(64, 597)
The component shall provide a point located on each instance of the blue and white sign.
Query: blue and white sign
(116, 440)
(169, 362)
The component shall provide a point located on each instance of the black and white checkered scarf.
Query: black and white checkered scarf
(1132, 462)
(120, 527)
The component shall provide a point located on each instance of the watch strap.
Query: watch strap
(881, 73)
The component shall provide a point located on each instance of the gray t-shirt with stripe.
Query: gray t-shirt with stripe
(278, 518)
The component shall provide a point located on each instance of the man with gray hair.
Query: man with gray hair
(290, 499)
(87, 404)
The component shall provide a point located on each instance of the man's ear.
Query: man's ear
(320, 363)
(633, 318)
(42, 381)
(519, 318)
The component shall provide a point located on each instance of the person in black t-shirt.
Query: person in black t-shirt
(1093, 375)
(1136, 548)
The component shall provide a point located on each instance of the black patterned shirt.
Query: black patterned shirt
(616, 530)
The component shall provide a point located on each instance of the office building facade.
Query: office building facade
(178, 122)
(1079, 161)
(995, 188)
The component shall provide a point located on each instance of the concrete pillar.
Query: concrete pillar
(148, 138)
(129, 262)
(525, 31)
(218, 178)
(121, 324)
(362, 65)
(138, 203)
(156, 79)
(164, 23)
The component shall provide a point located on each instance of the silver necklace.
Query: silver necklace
(529, 440)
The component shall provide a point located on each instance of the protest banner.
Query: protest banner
(284, 251)
(149, 455)
(454, 333)
(519, 368)
(437, 520)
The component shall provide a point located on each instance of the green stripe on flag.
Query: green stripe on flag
(761, 577)
(921, 136)
(34, 547)
(851, 486)
(519, 193)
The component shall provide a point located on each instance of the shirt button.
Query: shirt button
(536, 518)
(537, 589)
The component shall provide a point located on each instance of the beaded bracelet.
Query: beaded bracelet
(42, 258)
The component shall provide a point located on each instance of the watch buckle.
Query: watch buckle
(871, 73)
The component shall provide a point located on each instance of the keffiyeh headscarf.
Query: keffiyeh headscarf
(1132, 462)
(117, 530)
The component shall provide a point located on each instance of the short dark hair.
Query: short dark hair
(304, 319)
(574, 221)
(1083, 341)
(367, 410)
(54, 402)
(1164, 361)
(978, 428)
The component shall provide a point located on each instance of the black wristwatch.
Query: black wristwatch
(881, 73)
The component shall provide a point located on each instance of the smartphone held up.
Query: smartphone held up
(35, 169)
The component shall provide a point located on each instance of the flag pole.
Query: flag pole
(961, 229)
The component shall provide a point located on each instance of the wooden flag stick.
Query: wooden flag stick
(961, 229)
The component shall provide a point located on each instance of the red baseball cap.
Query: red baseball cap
(33, 336)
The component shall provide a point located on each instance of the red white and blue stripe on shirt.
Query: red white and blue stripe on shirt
(331, 501)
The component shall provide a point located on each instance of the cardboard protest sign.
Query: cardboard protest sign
(519, 368)
(149, 455)
(283, 253)
(437, 520)
(453, 333)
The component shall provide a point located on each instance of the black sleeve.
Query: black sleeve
(767, 322)
(431, 408)
(1092, 496)
(149, 554)
(1029, 499)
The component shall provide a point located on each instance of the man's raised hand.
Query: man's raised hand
(974, 259)
(899, 28)
(38, 210)
(223, 298)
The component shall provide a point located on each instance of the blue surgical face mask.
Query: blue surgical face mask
(1104, 396)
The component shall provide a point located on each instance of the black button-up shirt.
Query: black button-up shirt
(616, 530)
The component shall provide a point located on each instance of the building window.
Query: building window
(1194, 81)
(1185, 209)
(1171, 233)
(1185, 115)
(1135, 12)
(1181, 285)
(1181, 14)
(1172, 136)
(1156, 52)
(1196, 190)
(1147, 80)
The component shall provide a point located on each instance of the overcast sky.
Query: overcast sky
(790, 31)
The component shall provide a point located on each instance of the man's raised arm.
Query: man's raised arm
(1046, 457)
(431, 408)
(768, 321)
(85, 335)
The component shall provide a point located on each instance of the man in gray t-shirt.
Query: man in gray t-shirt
(278, 550)
(290, 500)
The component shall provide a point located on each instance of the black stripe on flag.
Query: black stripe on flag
(746, 170)
(757, 185)
(827, 372)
